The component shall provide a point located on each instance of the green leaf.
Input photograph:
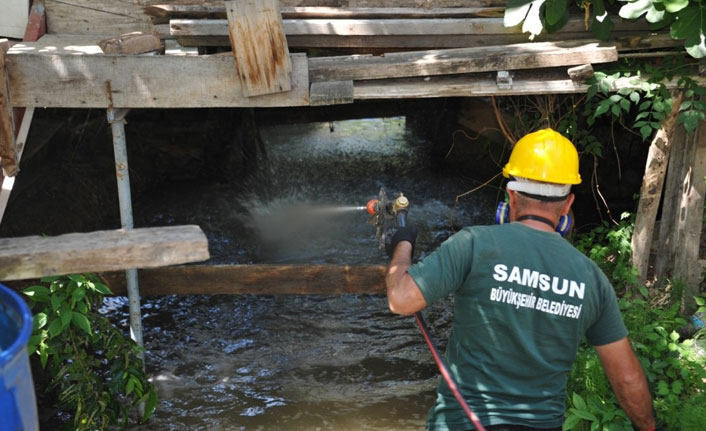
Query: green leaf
(554, 11)
(634, 9)
(65, 315)
(79, 293)
(571, 422)
(82, 307)
(129, 386)
(43, 354)
(578, 401)
(39, 321)
(55, 328)
(635, 97)
(102, 288)
(35, 291)
(625, 105)
(645, 132)
(615, 109)
(674, 6)
(601, 26)
(603, 107)
(55, 302)
(82, 322)
(150, 403)
(690, 25)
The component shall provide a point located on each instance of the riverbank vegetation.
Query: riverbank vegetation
(670, 349)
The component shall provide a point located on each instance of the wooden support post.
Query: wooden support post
(687, 266)
(668, 232)
(111, 250)
(8, 145)
(9, 182)
(651, 191)
(259, 46)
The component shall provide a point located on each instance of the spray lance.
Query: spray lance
(385, 215)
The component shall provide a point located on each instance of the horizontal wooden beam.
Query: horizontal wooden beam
(162, 13)
(256, 279)
(112, 250)
(39, 78)
(461, 60)
(385, 27)
(483, 85)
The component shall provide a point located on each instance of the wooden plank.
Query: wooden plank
(668, 240)
(256, 279)
(331, 93)
(136, 42)
(387, 27)
(8, 144)
(524, 84)
(259, 46)
(687, 266)
(56, 80)
(651, 191)
(103, 17)
(461, 60)
(624, 41)
(13, 18)
(35, 256)
(164, 12)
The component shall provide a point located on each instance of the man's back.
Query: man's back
(523, 299)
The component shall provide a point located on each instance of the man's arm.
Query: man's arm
(629, 383)
(403, 294)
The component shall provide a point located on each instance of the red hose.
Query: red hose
(445, 373)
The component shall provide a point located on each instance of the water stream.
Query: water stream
(302, 362)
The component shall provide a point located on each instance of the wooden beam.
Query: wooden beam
(35, 256)
(461, 60)
(136, 42)
(256, 279)
(259, 46)
(651, 191)
(624, 41)
(687, 266)
(8, 145)
(483, 85)
(331, 93)
(163, 13)
(57, 80)
(386, 27)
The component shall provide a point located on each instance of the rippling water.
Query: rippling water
(302, 362)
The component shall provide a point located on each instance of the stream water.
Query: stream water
(261, 362)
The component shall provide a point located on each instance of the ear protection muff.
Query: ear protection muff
(502, 215)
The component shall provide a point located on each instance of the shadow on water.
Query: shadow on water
(293, 362)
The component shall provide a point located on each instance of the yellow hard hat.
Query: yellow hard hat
(544, 155)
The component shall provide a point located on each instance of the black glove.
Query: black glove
(406, 233)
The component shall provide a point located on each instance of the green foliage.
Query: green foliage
(675, 370)
(611, 249)
(622, 92)
(95, 369)
(686, 18)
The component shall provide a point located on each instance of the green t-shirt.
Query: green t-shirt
(523, 300)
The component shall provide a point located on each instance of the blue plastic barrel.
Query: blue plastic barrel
(18, 405)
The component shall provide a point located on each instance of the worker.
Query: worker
(524, 298)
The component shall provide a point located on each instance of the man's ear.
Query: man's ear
(567, 204)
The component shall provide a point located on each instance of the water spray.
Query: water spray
(386, 214)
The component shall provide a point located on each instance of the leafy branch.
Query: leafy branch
(96, 370)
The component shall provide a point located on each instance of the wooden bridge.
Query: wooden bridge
(264, 53)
